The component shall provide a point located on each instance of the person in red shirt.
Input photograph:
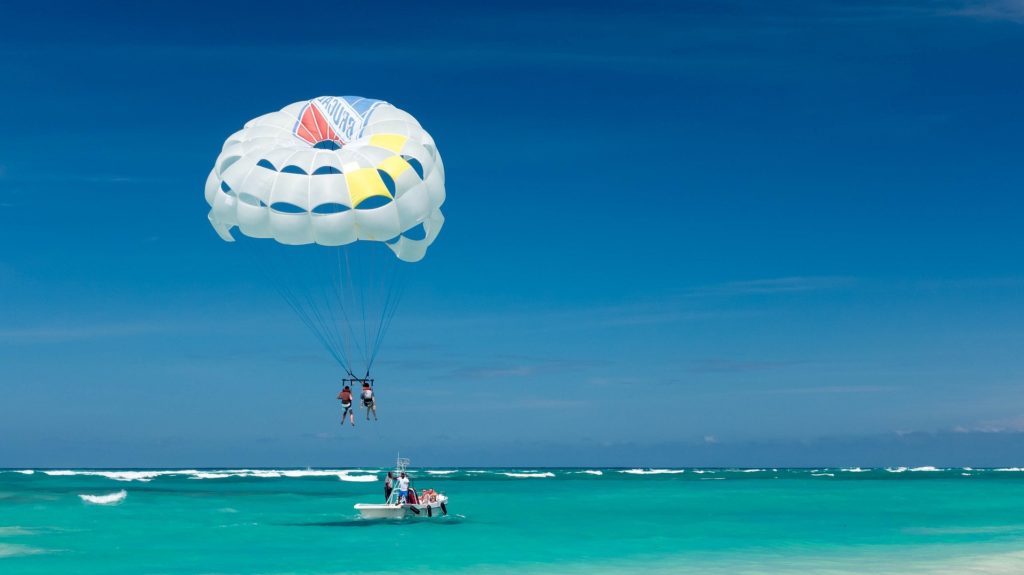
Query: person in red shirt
(346, 402)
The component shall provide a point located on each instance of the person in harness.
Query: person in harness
(346, 402)
(369, 401)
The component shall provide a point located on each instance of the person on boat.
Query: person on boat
(403, 488)
(369, 401)
(388, 486)
(346, 402)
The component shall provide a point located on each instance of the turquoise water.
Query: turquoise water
(513, 520)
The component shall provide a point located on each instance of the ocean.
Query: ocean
(651, 521)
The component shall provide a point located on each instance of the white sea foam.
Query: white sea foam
(750, 470)
(26, 471)
(895, 469)
(109, 499)
(220, 474)
(854, 470)
(652, 471)
(12, 550)
(535, 474)
(925, 468)
(115, 475)
(210, 475)
(120, 475)
(591, 472)
(357, 478)
(823, 474)
(441, 471)
(1009, 469)
(711, 478)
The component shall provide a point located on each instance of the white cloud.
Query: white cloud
(1008, 10)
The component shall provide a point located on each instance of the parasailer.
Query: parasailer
(332, 181)
(369, 400)
(346, 405)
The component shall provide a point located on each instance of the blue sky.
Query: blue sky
(677, 234)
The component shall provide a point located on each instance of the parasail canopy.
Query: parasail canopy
(332, 176)
(331, 171)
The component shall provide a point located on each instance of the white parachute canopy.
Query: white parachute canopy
(340, 176)
(331, 171)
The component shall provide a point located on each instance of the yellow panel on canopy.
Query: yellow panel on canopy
(365, 183)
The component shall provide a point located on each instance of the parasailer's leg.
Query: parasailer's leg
(350, 412)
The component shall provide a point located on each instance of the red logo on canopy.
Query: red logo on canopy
(313, 127)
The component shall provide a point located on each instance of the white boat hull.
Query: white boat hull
(401, 511)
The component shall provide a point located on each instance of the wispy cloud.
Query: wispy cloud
(769, 286)
(718, 365)
(62, 333)
(501, 367)
(969, 283)
(827, 389)
(1006, 425)
(78, 178)
(1006, 10)
(525, 403)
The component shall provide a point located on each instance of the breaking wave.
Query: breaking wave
(121, 475)
(456, 474)
(109, 499)
(357, 478)
(144, 476)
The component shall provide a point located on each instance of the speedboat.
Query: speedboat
(396, 510)
(427, 503)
